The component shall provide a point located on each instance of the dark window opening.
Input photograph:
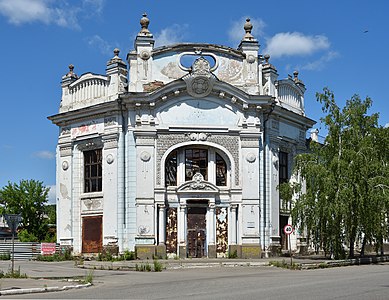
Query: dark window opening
(93, 172)
(196, 161)
(171, 170)
(221, 171)
(283, 167)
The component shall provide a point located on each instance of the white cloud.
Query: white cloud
(386, 125)
(52, 196)
(48, 11)
(170, 35)
(44, 154)
(98, 42)
(321, 62)
(22, 11)
(237, 32)
(295, 43)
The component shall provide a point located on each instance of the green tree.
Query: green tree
(346, 179)
(27, 198)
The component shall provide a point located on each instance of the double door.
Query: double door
(196, 232)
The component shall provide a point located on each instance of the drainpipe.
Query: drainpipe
(265, 144)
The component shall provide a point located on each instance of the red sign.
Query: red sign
(47, 248)
(288, 229)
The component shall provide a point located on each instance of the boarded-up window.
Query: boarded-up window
(92, 234)
(93, 170)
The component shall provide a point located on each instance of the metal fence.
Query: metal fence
(23, 251)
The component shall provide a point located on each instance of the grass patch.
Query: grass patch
(62, 256)
(88, 277)
(5, 256)
(233, 254)
(284, 264)
(158, 267)
(13, 274)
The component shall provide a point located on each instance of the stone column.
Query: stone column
(161, 247)
(234, 250)
(181, 228)
(211, 231)
(162, 224)
(233, 224)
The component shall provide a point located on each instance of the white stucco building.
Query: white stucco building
(178, 150)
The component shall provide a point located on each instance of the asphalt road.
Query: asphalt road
(353, 282)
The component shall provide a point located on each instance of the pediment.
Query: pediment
(198, 185)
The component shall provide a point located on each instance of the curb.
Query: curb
(43, 290)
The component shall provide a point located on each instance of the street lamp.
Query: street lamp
(13, 221)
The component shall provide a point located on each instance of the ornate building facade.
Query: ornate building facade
(178, 151)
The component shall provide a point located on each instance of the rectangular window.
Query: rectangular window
(93, 171)
(283, 167)
(196, 161)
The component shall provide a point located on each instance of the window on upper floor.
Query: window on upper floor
(283, 167)
(221, 171)
(196, 161)
(93, 171)
(182, 164)
(171, 169)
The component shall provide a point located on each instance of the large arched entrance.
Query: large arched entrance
(197, 182)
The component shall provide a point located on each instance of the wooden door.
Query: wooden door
(196, 231)
(92, 241)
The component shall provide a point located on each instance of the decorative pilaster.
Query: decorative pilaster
(232, 223)
(162, 224)
(182, 230)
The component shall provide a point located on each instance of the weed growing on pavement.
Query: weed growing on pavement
(157, 266)
(89, 277)
(62, 256)
(285, 265)
(233, 254)
(13, 274)
(143, 267)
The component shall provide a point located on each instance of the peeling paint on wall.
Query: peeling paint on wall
(171, 230)
(221, 231)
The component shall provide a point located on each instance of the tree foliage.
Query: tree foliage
(346, 197)
(28, 198)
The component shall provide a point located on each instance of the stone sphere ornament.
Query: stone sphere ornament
(65, 165)
(250, 157)
(109, 159)
(145, 156)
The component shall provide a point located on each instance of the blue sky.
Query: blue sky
(342, 45)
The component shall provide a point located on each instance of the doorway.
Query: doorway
(196, 232)
(92, 234)
(284, 238)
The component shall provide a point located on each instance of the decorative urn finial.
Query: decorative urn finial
(248, 27)
(144, 23)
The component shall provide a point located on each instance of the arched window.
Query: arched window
(182, 164)
(221, 171)
(171, 169)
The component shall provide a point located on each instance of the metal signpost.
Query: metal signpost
(288, 230)
(13, 221)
